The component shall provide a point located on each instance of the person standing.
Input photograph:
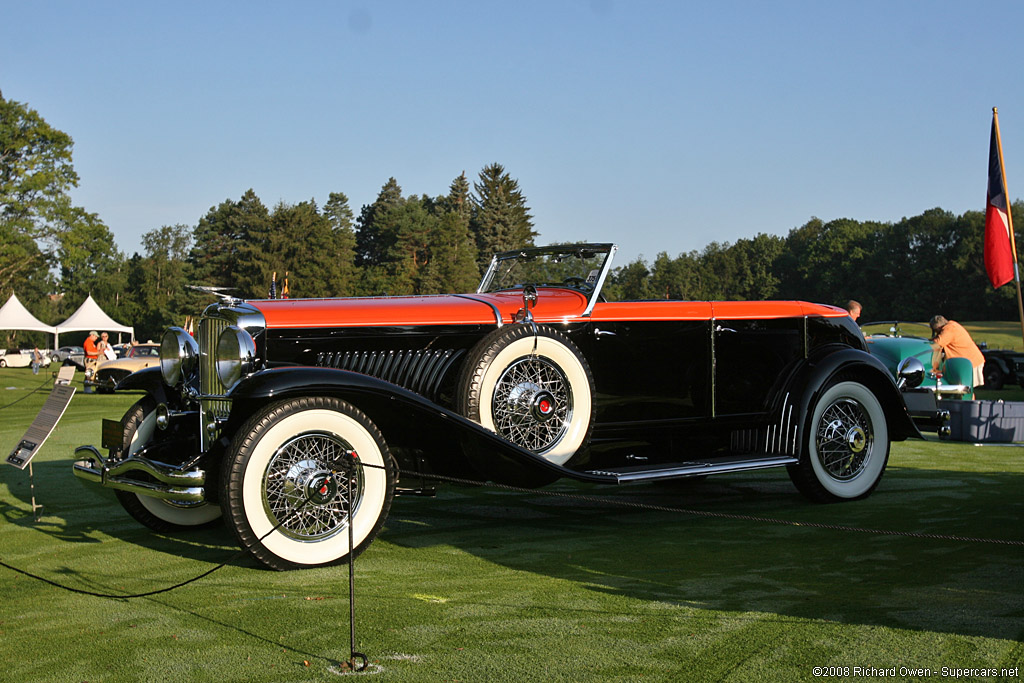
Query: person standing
(106, 351)
(950, 338)
(37, 360)
(92, 354)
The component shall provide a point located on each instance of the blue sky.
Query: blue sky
(661, 126)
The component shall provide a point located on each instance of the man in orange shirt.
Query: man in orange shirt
(92, 353)
(951, 338)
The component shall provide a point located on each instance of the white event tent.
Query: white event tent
(14, 316)
(90, 316)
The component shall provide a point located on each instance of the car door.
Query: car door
(754, 344)
(651, 361)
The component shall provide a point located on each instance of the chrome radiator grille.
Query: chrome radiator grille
(209, 385)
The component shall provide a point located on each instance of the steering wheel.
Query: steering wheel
(578, 283)
(584, 286)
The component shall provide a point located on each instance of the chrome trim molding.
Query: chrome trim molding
(695, 469)
(494, 309)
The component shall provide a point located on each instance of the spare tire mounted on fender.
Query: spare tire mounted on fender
(535, 391)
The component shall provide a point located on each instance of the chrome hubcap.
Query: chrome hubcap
(532, 404)
(305, 485)
(844, 439)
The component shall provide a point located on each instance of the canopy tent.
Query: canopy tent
(90, 316)
(14, 316)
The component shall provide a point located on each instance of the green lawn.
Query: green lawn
(488, 584)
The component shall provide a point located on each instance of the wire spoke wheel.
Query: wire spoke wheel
(532, 404)
(844, 439)
(302, 489)
(288, 478)
(532, 387)
(846, 445)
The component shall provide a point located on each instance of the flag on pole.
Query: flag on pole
(999, 260)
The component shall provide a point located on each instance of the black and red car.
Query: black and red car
(293, 418)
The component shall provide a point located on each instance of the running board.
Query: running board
(692, 469)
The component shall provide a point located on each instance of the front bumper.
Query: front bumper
(142, 476)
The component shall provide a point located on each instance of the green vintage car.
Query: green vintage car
(901, 345)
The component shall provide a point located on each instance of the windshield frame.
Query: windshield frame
(569, 250)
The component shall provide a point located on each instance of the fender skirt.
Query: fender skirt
(406, 419)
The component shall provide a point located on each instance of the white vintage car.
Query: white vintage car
(13, 358)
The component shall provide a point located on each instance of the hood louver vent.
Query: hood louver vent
(418, 371)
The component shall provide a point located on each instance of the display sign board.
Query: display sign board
(43, 425)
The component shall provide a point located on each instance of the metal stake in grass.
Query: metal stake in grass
(36, 509)
(349, 466)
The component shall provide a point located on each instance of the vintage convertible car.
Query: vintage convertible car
(1003, 366)
(901, 344)
(297, 418)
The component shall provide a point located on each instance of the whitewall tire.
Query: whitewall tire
(138, 426)
(535, 391)
(846, 445)
(286, 480)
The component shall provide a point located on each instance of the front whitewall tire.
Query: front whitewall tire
(284, 449)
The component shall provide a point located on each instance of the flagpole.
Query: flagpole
(1009, 219)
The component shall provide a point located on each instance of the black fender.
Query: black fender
(406, 419)
(829, 363)
(149, 380)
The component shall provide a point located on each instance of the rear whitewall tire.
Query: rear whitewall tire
(846, 446)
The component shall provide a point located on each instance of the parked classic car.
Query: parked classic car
(297, 418)
(1003, 366)
(136, 357)
(901, 345)
(19, 358)
(65, 352)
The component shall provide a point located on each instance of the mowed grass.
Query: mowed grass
(490, 584)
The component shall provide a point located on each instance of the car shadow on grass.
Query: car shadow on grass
(749, 543)
(80, 513)
(742, 543)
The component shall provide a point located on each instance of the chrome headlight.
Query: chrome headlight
(910, 373)
(179, 356)
(236, 356)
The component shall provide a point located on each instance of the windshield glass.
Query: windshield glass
(897, 328)
(577, 266)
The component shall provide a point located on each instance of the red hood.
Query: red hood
(553, 305)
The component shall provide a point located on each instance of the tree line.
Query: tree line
(54, 254)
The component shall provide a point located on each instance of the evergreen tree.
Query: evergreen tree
(373, 242)
(501, 219)
(228, 245)
(339, 216)
(452, 267)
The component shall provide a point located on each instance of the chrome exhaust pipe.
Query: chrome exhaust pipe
(171, 484)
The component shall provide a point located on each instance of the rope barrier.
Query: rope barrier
(555, 494)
